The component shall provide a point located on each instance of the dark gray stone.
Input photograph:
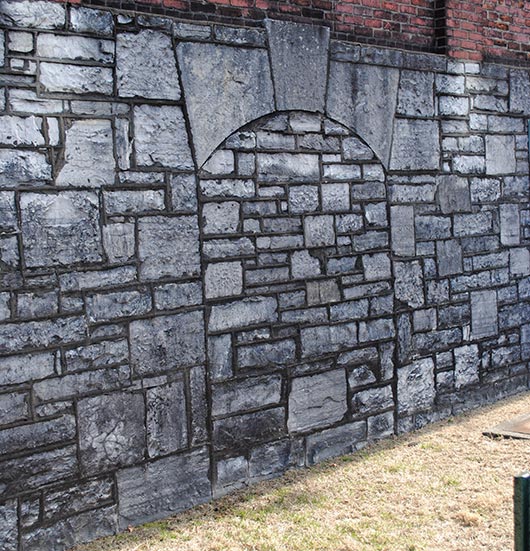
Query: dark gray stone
(243, 313)
(334, 442)
(9, 526)
(453, 194)
(317, 400)
(299, 60)
(449, 257)
(167, 342)
(13, 407)
(324, 339)
(372, 400)
(267, 354)
(111, 431)
(233, 83)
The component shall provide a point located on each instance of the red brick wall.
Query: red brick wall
(464, 29)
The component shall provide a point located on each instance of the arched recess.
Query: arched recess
(299, 296)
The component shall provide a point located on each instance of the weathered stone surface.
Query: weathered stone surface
(519, 83)
(242, 313)
(453, 194)
(416, 145)
(20, 167)
(134, 201)
(9, 526)
(415, 95)
(484, 314)
(82, 280)
(144, 492)
(199, 406)
(251, 393)
(334, 442)
(178, 295)
(96, 355)
(111, 431)
(167, 420)
(322, 292)
(221, 217)
(220, 357)
(267, 354)
(161, 138)
(87, 140)
(467, 364)
(75, 79)
(290, 167)
(120, 304)
(233, 83)
(119, 241)
(232, 473)
(415, 390)
(28, 367)
(520, 262)
(402, 224)
(364, 97)
(91, 21)
(376, 330)
(373, 400)
(146, 66)
(21, 130)
(319, 231)
(183, 192)
(75, 47)
(500, 155)
(299, 59)
(449, 257)
(13, 407)
(168, 247)
(409, 283)
(328, 338)
(317, 400)
(32, 14)
(60, 228)
(510, 224)
(167, 342)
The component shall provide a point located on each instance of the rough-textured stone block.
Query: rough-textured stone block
(75, 47)
(415, 95)
(60, 228)
(317, 400)
(9, 526)
(373, 400)
(510, 224)
(453, 194)
(500, 155)
(467, 364)
(242, 313)
(519, 262)
(178, 295)
(86, 141)
(21, 167)
(146, 66)
(299, 58)
(168, 247)
(183, 192)
(402, 225)
(87, 20)
(120, 304)
(519, 84)
(415, 389)
(167, 342)
(32, 14)
(416, 145)
(278, 353)
(111, 431)
(449, 257)
(288, 167)
(484, 314)
(133, 201)
(19, 131)
(334, 442)
(223, 279)
(221, 217)
(28, 367)
(233, 83)
(75, 79)
(324, 339)
(119, 241)
(161, 138)
(319, 231)
(409, 283)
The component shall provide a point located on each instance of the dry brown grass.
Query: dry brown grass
(444, 488)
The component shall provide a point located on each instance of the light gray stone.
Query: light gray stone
(467, 364)
(500, 155)
(376, 266)
(364, 97)
(453, 106)
(322, 291)
(9, 525)
(66, 47)
(19, 131)
(243, 313)
(20, 41)
(161, 138)
(111, 431)
(167, 422)
(20, 167)
(183, 192)
(304, 265)
(133, 201)
(402, 225)
(37, 304)
(288, 167)
(8, 213)
(510, 224)
(27, 101)
(317, 400)
(335, 197)
(453, 194)
(95, 279)
(415, 389)
(223, 279)
(14, 407)
(355, 150)
(87, 20)
(86, 141)
(144, 492)
(299, 59)
(319, 231)
(235, 84)
(520, 262)
(96, 355)
(75, 79)
(119, 304)
(519, 84)
(168, 247)
(27, 367)
(32, 13)
(168, 342)
(119, 241)
(325, 339)
(484, 314)
(415, 95)
(409, 283)
(221, 162)
(60, 228)
(178, 295)
(189, 30)
(146, 66)
(220, 357)
(303, 199)
(416, 145)
(376, 330)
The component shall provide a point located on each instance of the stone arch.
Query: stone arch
(295, 245)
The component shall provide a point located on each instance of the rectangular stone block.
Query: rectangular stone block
(319, 231)
(87, 20)
(120, 304)
(133, 202)
(402, 226)
(21, 167)
(178, 295)
(484, 314)
(278, 353)
(75, 47)
(335, 442)
(288, 167)
(325, 339)
(416, 145)
(449, 257)
(32, 14)
(167, 342)
(467, 365)
(415, 390)
(84, 280)
(9, 525)
(500, 154)
(96, 355)
(510, 224)
(28, 367)
(242, 313)
(75, 79)
(14, 406)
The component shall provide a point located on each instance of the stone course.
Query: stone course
(209, 276)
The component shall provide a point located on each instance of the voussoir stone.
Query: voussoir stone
(146, 66)
(225, 88)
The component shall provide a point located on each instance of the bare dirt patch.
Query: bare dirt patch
(446, 487)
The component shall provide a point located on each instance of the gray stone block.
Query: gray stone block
(146, 66)
(322, 292)
(520, 262)
(416, 145)
(119, 241)
(232, 473)
(32, 14)
(167, 420)
(304, 265)
(19, 131)
(75, 79)
(14, 407)
(319, 231)
(96, 355)
(334, 442)
(376, 330)
(519, 83)
(71, 48)
(60, 228)
(220, 357)
(111, 431)
(166, 343)
(409, 283)
(161, 138)
(317, 400)
(355, 150)
(335, 197)
(20, 167)
(288, 167)
(120, 304)
(178, 295)
(223, 279)
(240, 395)
(467, 365)
(299, 59)
(376, 266)
(133, 201)
(303, 199)
(364, 97)
(9, 525)
(415, 95)
(510, 224)
(372, 400)
(500, 155)
(28, 367)
(37, 304)
(233, 83)
(415, 390)
(453, 194)
(183, 192)
(402, 225)
(221, 217)
(168, 247)
(87, 20)
(449, 257)
(243, 313)
(484, 314)
(277, 353)
(380, 426)
(324, 339)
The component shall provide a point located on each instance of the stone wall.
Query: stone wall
(225, 252)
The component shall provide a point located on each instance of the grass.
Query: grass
(445, 487)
